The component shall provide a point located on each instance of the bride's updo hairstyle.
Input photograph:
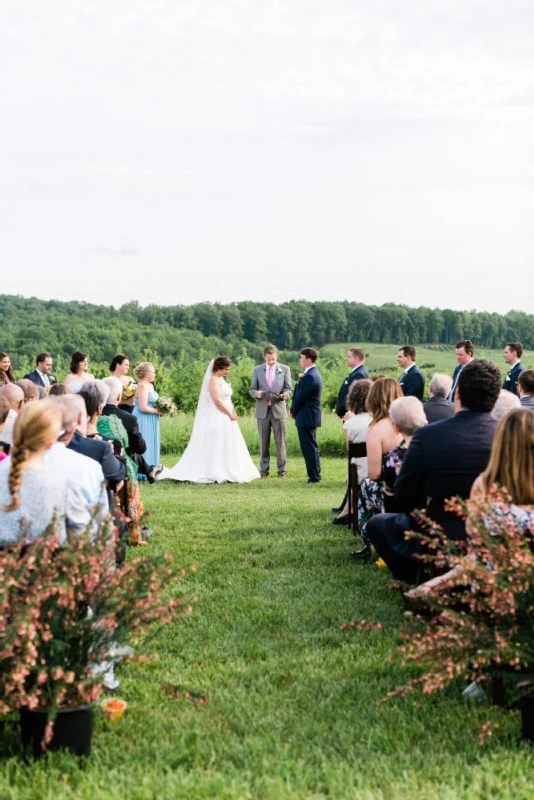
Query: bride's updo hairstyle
(221, 362)
(142, 370)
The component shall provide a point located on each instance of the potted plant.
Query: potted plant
(481, 625)
(62, 609)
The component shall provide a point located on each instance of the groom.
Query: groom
(270, 387)
(306, 411)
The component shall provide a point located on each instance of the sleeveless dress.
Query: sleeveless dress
(216, 452)
(150, 431)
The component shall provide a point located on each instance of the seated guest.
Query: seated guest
(31, 392)
(381, 438)
(358, 372)
(15, 397)
(525, 388)
(357, 421)
(512, 355)
(6, 373)
(443, 461)
(136, 444)
(111, 429)
(42, 375)
(114, 470)
(83, 473)
(412, 380)
(511, 465)
(506, 402)
(119, 368)
(78, 372)
(31, 496)
(438, 407)
(43, 394)
(407, 416)
(465, 350)
(58, 390)
(4, 411)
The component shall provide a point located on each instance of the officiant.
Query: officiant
(270, 388)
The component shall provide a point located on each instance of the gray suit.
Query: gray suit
(272, 417)
(527, 401)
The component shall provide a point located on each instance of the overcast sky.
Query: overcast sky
(174, 152)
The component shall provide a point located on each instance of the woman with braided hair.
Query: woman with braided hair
(30, 496)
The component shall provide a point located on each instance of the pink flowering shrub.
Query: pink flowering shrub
(61, 607)
(482, 620)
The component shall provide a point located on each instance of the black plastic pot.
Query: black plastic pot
(526, 705)
(73, 730)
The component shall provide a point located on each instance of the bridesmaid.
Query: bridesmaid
(147, 415)
(78, 372)
(6, 373)
(119, 368)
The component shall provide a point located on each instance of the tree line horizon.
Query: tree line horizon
(30, 325)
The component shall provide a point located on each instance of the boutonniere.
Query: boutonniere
(278, 371)
(301, 375)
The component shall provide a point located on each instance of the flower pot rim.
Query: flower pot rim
(59, 710)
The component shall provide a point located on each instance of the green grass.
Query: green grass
(293, 706)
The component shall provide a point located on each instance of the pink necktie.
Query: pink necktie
(270, 378)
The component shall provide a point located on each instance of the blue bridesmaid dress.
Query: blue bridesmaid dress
(150, 431)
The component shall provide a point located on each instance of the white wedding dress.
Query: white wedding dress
(216, 452)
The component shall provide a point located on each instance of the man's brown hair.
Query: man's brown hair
(408, 351)
(270, 349)
(526, 381)
(310, 353)
(517, 348)
(357, 352)
(467, 344)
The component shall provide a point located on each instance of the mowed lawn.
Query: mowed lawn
(294, 702)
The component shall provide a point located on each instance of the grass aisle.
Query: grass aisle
(293, 701)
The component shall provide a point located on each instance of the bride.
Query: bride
(216, 452)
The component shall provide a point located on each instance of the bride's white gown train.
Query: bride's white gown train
(216, 452)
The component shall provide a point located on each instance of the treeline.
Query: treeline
(29, 324)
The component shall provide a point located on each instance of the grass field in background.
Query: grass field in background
(294, 706)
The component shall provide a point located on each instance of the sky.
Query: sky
(222, 150)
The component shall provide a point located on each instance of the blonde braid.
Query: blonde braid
(19, 454)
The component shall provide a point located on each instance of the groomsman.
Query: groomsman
(355, 359)
(465, 350)
(512, 353)
(306, 411)
(412, 380)
(42, 375)
(270, 388)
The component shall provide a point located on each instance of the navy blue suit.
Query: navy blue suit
(98, 450)
(36, 377)
(510, 382)
(455, 376)
(443, 461)
(306, 409)
(412, 383)
(357, 374)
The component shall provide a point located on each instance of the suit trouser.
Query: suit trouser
(142, 467)
(386, 532)
(278, 427)
(310, 451)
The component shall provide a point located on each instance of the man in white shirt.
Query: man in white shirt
(42, 375)
(83, 475)
(465, 351)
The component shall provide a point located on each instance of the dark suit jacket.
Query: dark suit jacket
(306, 407)
(136, 443)
(510, 382)
(357, 374)
(112, 467)
(527, 401)
(35, 377)
(437, 408)
(443, 461)
(413, 383)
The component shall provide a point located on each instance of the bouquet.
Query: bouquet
(129, 390)
(165, 405)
